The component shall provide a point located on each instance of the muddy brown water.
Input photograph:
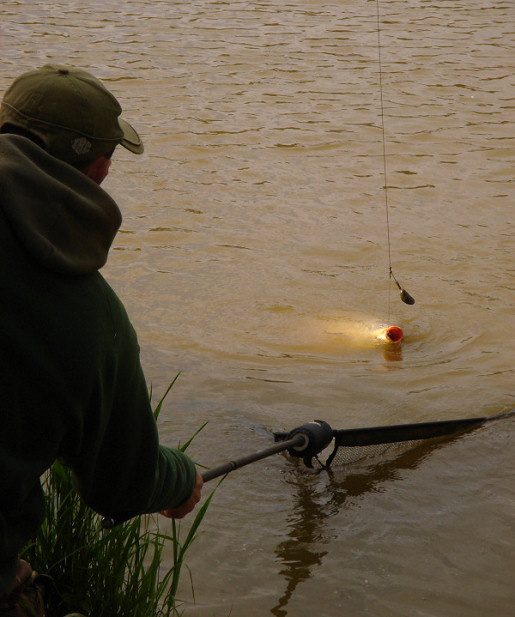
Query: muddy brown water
(253, 259)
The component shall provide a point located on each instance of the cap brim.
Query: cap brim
(130, 140)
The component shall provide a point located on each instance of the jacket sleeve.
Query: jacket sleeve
(120, 467)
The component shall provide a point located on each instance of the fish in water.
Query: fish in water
(391, 334)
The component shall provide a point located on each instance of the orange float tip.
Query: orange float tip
(393, 334)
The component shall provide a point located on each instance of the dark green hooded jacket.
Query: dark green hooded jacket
(71, 384)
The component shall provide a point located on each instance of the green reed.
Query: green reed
(115, 573)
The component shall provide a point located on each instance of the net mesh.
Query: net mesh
(342, 456)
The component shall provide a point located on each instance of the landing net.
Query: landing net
(357, 445)
(364, 446)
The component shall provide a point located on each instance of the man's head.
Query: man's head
(70, 112)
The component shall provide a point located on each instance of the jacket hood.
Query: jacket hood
(62, 218)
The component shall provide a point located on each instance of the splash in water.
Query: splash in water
(364, 334)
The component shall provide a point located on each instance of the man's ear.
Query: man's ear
(99, 169)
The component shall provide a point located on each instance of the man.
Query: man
(71, 383)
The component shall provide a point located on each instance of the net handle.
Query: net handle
(306, 441)
(109, 522)
(225, 468)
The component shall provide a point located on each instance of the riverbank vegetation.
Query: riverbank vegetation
(109, 573)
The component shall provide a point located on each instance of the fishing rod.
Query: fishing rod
(310, 439)
(405, 296)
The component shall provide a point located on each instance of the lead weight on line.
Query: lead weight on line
(406, 298)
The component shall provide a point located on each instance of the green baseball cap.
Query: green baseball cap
(71, 111)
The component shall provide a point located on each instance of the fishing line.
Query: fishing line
(405, 296)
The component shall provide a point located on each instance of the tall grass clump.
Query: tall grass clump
(115, 573)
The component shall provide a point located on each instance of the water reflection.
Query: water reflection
(320, 496)
(392, 353)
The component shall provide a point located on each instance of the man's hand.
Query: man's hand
(187, 506)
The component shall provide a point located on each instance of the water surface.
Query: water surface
(253, 258)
